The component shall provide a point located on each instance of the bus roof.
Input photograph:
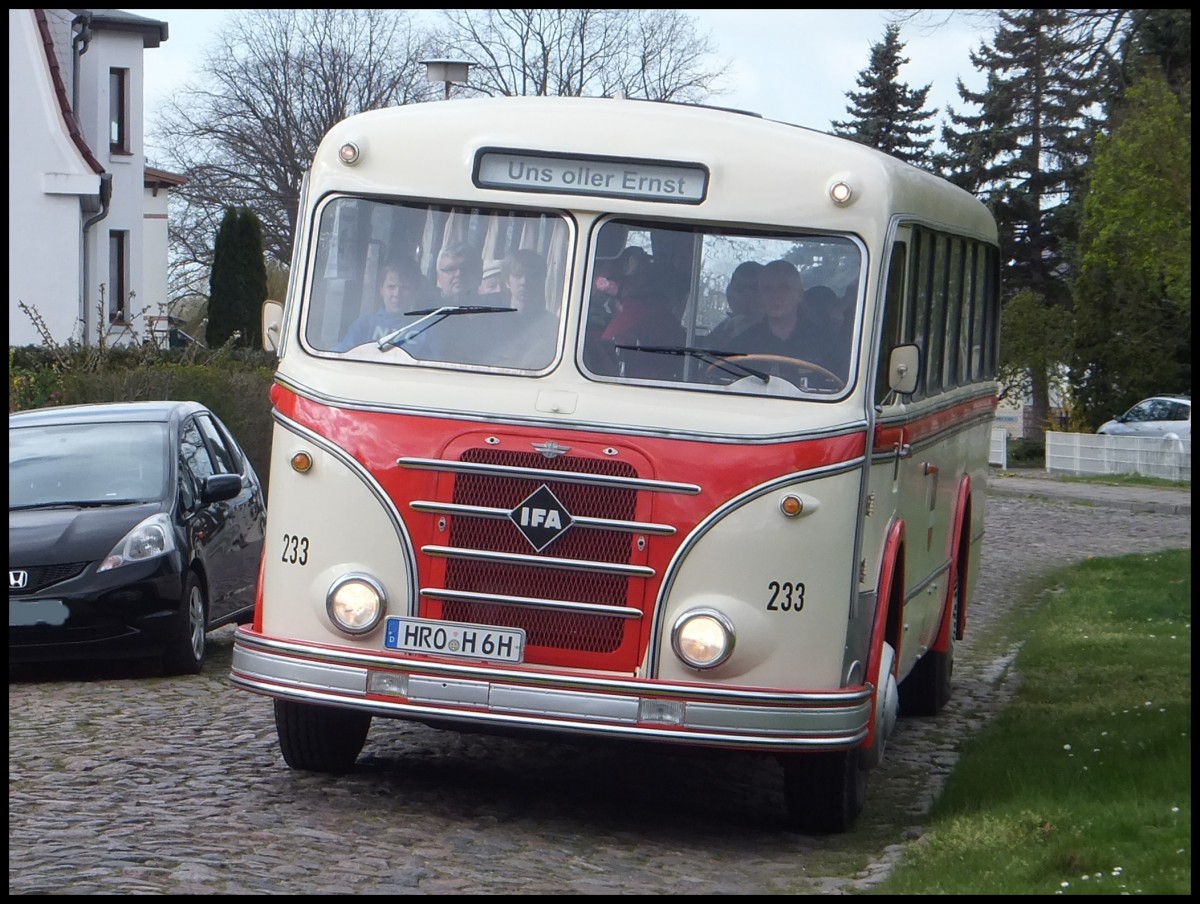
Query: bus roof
(760, 170)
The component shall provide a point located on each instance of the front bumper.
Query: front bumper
(512, 697)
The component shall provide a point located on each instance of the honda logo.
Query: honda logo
(18, 580)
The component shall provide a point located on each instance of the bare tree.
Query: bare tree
(271, 85)
(655, 54)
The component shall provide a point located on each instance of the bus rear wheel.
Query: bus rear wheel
(824, 792)
(320, 738)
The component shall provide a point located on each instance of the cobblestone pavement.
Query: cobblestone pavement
(125, 783)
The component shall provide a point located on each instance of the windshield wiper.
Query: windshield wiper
(83, 503)
(430, 317)
(709, 356)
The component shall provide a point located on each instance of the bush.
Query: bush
(1027, 453)
(234, 383)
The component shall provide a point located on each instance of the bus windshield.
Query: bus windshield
(708, 307)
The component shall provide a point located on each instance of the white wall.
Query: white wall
(154, 251)
(47, 175)
(120, 50)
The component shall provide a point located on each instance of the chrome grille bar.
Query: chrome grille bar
(531, 602)
(481, 511)
(544, 474)
(508, 558)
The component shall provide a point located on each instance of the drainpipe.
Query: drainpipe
(105, 199)
(79, 46)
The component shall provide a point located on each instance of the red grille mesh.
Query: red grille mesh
(544, 628)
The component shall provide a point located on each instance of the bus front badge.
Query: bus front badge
(541, 518)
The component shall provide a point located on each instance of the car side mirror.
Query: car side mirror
(272, 324)
(904, 366)
(219, 487)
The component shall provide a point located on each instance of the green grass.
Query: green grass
(1129, 480)
(1083, 785)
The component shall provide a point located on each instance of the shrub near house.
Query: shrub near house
(234, 383)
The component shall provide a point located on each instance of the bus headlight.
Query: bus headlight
(702, 638)
(356, 603)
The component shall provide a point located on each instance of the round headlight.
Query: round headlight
(356, 603)
(702, 638)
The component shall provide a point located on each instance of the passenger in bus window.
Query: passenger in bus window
(493, 279)
(647, 314)
(402, 288)
(526, 338)
(459, 273)
(744, 301)
(829, 317)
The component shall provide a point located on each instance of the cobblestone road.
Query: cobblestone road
(123, 784)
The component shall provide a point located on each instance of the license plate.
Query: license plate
(26, 613)
(442, 638)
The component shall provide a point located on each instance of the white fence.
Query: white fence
(1091, 453)
(998, 452)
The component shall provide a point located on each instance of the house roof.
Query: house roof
(153, 31)
(60, 94)
(156, 178)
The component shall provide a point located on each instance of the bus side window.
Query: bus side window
(892, 305)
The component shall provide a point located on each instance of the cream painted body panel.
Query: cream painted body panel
(731, 566)
(347, 529)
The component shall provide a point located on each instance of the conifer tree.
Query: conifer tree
(223, 314)
(1024, 153)
(238, 283)
(887, 114)
(253, 290)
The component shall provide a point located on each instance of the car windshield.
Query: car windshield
(86, 464)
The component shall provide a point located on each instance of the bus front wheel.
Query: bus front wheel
(320, 738)
(824, 792)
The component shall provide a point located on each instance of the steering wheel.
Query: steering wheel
(799, 363)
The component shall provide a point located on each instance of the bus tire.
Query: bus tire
(320, 738)
(926, 690)
(824, 792)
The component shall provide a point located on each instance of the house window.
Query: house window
(118, 111)
(118, 272)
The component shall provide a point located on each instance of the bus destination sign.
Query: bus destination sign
(610, 177)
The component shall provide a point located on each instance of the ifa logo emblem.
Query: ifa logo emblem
(541, 518)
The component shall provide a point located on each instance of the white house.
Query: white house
(87, 219)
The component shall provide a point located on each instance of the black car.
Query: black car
(133, 530)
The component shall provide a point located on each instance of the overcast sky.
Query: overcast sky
(791, 65)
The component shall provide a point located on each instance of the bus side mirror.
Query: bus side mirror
(903, 368)
(272, 323)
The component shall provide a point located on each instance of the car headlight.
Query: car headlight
(702, 638)
(152, 538)
(356, 603)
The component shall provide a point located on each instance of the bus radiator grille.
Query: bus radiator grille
(559, 630)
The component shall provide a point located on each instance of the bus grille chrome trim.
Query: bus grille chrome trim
(479, 511)
(511, 558)
(582, 603)
(577, 477)
(500, 600)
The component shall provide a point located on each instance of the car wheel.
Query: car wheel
(320, 738)
(926, 690)
(185, 653)
(824, 792)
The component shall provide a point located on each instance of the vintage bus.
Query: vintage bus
(564, 507)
